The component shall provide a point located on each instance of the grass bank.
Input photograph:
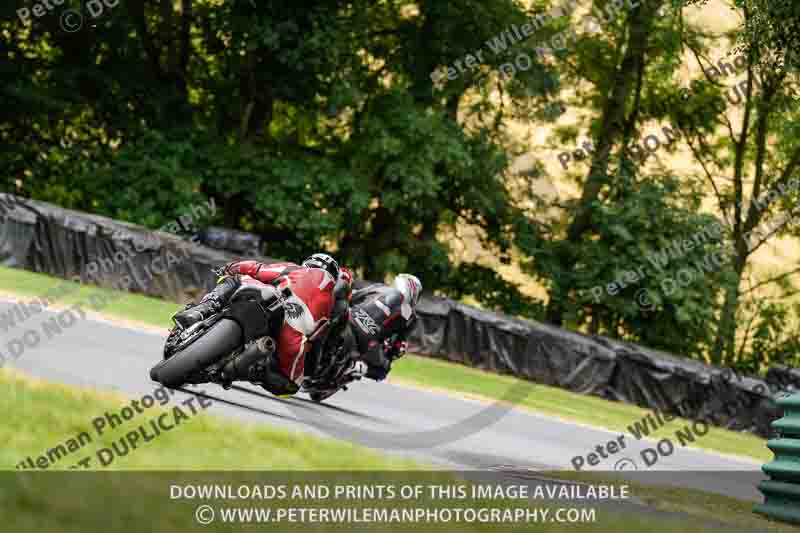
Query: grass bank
(41, 416)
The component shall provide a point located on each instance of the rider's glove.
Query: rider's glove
(401, 347)
(394, 350)
(223, 271)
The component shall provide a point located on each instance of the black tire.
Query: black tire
(223, 337)
(316, 397)
(319, 397)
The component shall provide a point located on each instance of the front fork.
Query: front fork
(331, 378)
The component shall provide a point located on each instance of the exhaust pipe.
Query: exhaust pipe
(239, 366)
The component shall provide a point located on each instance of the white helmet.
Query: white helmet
(410, 287)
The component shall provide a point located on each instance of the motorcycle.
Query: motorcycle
(237, 343)
(327, 372)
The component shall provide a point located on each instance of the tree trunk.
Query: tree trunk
(726, 333)
(725, 341)
(172, 71)
(380, 240)
(613, 127)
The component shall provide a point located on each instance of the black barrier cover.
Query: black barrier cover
(238, 242)
(45, 238)
(784, 378)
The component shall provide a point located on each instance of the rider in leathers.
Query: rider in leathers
(306, 312)
(381, 318)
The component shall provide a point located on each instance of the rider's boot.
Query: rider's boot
(210, 304)
(269, 376)
(357, 370)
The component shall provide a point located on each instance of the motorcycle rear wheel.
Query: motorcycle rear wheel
(223, 337)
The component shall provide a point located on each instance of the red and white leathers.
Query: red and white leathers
(307, 310)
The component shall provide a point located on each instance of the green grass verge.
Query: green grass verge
(152, 311)
(40, 415)
(427, 372)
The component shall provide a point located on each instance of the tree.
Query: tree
(772, 28)
(751, 169)
(618, 96)
(316, 126)
(737, 165)
(636, 279)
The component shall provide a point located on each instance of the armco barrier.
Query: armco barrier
(45, 238)
(782, 490)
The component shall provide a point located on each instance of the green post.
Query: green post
(782, 490)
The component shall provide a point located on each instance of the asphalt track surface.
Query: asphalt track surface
(436, 428)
